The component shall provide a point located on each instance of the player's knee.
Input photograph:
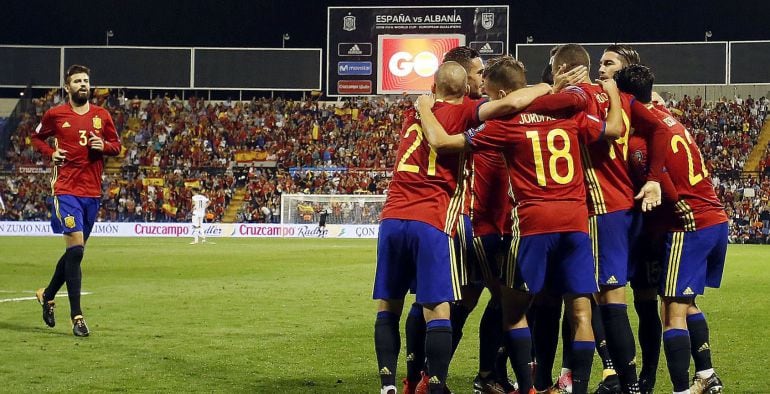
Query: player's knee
(612, 295)
(580, 311)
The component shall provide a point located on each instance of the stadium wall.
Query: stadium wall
(212, 230)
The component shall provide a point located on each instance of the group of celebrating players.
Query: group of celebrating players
(558, 193)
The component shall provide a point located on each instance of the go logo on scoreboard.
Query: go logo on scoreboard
(407, 62)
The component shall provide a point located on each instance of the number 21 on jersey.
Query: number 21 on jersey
(694, 178)
(403, 165)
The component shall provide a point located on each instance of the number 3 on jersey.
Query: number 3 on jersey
(556, 154)
(402, 164)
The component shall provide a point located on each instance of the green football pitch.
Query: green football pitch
(269, 316)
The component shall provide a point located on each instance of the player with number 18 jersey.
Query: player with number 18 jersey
(546, 175)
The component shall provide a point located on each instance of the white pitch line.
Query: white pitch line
(33, 298)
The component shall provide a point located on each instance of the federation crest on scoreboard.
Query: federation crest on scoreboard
(487, 20)
(349, 23)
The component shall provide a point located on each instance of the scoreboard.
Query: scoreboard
(376, 50)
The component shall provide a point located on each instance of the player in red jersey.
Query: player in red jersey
(643, 266)
(611, 199)
(550, 215)
(695, 249)
(83, 134)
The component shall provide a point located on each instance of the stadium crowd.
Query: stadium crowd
(172, 145)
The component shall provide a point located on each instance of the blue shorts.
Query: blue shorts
(610, 234)
(563, 260)
(463, 244)
(70, 214)
(485, 262)
(694, 260)
(413, 253)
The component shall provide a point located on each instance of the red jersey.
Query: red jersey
(81, 172)
(607, 180)
(490, 188)
(697, 205)
(425, 186)
(660, 219)
(467, 204)
(544, 168)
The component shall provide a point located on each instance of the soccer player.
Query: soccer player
(199, 204)
(644, 265)
(611, 199)
(83, 134)
(542, 156)
(695, 246)
(323, 214)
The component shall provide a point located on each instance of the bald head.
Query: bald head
(451, 80)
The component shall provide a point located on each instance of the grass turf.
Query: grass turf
(269, 315)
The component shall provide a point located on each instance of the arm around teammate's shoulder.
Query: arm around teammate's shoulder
(614, 123)
(434, 132)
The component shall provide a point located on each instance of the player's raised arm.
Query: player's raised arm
(520, 99)
(435, 134)
(614, 127)
(512, 103)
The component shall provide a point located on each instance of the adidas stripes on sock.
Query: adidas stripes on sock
(387, 343)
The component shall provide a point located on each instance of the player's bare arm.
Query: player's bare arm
(520, 99)
(437, 137)
(514, 102)
(614, 124)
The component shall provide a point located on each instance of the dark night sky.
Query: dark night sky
(261, 23)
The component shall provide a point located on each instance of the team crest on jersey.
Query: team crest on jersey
(97, 122)
(69, 221)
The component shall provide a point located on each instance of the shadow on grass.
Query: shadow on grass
(310, 384)
(38, 330)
